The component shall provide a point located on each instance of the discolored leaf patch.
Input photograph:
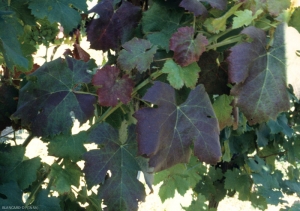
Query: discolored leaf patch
(187, 49)
(111, 88)
(167, 133)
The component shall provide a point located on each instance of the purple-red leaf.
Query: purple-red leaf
(187, 49)
(167, 133)
(196, 6)
(260, 75)
(111, 88)
(112, 27)
(137, 53)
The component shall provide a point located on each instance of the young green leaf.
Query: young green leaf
(197, 7)
(49, 97)
(111, 88)
(122, 190)
(166, 133)
(243, 18)
(260, 76)
(187, 49)
(59, 11)
(178, 76)
(137, 53)
(223, 110)
(112, 27)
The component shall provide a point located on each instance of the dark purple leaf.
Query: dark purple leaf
(187, 49)
(166, 134)
(112, 28)
(111, 88)
(196, 6)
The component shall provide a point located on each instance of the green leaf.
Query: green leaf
(52, 97)
(178, 76)
(68, 146)
(244, 18)
(46, 203)
(122, 190)
(235, 180)
(10, 28)
(294, 21)
(227, 155)
(219, 24)
(10, 195)
(260, 75)
(199, 204)
(64, 176)
(166, 133)
(223, 110)
(61, 11)
(137, 53)
(263, 135)
(276, 7)
(159, 23)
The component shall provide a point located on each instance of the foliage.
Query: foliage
(198, 95)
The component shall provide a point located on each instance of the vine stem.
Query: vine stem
(28, 139)
(85, 93)
(225, 42)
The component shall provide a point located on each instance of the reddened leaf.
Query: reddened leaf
(112, 27)
(187, 49)
(137, 53)
(260, 75)
(112, 88)
(178, 76)
(197, 7)
(167, 133)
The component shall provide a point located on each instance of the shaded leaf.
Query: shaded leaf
(64, 176)
(68, 146)
(187, 49)
(263, 135)
(196, 6)
(213, 75)
(260, 76)
(166, 133)
(46, 203)
(49, 99)
(10, 195)
(61, 11)
(112, 89)
(122, 190)
(137, 53)
(280, 125)
(223, 110)
(159, 23)
(112, 27)
(8, 104)
(178, 76)
(199, 203)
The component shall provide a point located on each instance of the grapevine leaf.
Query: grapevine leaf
(112, 27)
(49, 98)
(213, 75)
(10, 194)
(120, 159)
(200, 203)
(280, 125)
(68, 146)
(137, 53)
(219, 24)
(243, 18)
(196, 6)
(294, 21)
(166, 133)
(276, 7)
(187, 49)
(46, 203)
(112, 88)
(260, 76)
(10, 28)
(61, 11)
(223, 110)
(8, 96)
(23, 172)
(263, 135)
(159, 23)
(64, 177)
(178, 76)
(235, 180)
